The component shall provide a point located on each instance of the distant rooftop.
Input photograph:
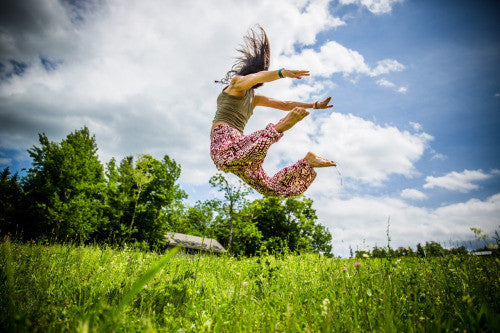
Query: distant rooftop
(194, 242)
(482, 253)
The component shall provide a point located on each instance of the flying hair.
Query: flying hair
(254, 56)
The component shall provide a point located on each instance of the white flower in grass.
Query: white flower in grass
(325, 305)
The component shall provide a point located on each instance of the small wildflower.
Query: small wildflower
(324, 306)
(193, 276)
(344, 269)
(145, 286)
(129, 259)
(357, 264)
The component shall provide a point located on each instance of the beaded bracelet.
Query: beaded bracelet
(280, 74)
(315, 105)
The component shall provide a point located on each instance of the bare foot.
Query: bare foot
(318, 162)
(293, 117)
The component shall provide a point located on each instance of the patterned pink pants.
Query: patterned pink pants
(243, 155)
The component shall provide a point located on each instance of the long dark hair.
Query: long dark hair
(254, 57)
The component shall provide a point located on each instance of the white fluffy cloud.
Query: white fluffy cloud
(366, 151)
(388, 84)
(385, 83)
(386, 66)
(459, 181)
(330, 59)
(139, 74)
(362, 221)
(144, 84)
(410, 193)
(333, 58)
(374, 6)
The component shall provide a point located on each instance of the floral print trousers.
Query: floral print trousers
(244, 155)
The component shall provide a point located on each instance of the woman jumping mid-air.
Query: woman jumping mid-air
(244, 155)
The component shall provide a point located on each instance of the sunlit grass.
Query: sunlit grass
(93, 288)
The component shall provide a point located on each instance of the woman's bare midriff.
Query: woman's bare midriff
(217, 123)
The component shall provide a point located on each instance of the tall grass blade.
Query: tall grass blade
(143, 280)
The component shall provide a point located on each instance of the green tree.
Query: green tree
(289, 224)
(434, 249)
(11, 198)
(141, 176)
(379, 252)
(64, 187)
(143, 199)
(420, 250)
(462, 250)
(321, 239)
(161, 200)
(119, 196)
(229, 221)
(199, 220)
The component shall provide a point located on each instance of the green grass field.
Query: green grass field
(88, 288)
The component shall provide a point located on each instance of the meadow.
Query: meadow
(91, 288)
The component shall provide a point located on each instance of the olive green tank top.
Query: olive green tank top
(233, 110)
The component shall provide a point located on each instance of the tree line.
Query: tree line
(430, 249)
(68, 195)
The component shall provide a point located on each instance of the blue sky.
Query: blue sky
(416, 88)
(451, 51)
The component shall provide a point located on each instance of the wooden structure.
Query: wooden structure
(195, 243)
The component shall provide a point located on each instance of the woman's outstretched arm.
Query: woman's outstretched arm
(240, 84)
(260, 100)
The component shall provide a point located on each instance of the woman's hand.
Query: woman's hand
(294, 73)
(324, 104)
